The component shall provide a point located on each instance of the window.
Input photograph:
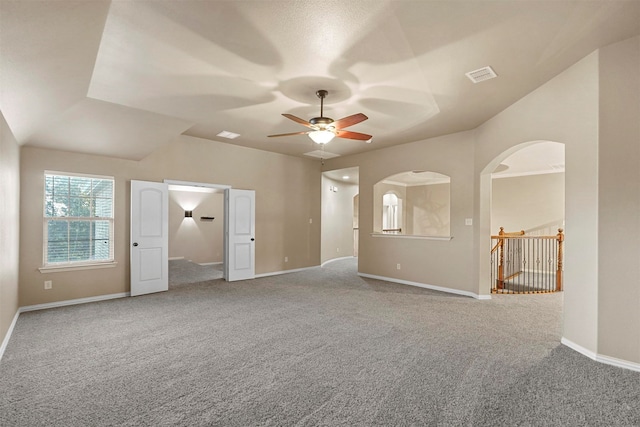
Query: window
(78, 219)
(390, 213)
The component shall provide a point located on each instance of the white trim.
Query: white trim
(600, 358)
(67, 267)
(197, 184)
(175, 258)
(580, 349)
(500, 175)
(72, 302)
(335, 259)
(412, 236)
(80, 175)
(277, 273)
(619, 363)
(423, 285)
(209, 263)
(7, 336)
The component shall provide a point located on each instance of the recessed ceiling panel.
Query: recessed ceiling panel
(98, 127)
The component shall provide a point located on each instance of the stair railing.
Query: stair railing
(526, 264)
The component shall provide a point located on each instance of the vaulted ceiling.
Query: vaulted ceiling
(122, 78)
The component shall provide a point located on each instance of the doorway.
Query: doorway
(340, 225)
(196, 234)
(149, 241)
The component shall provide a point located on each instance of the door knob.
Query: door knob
(135, 244)
(252, 239)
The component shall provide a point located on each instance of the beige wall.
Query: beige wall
(528, 203)
(195, 239)
(337, 219)
(619, 202)
(287, 196)
(445, 263)
(428, 209)
(9, 226)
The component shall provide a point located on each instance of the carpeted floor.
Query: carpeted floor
(184, 272)
(319, 347)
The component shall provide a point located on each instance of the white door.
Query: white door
(239, 247)
(149, 237)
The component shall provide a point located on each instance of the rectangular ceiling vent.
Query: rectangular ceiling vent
(481, 74)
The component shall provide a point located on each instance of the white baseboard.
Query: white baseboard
(209, 263)
(72, 302)
(580, 349)
(625, 364)
(426, 286)
(608, 360)
(175, 258)
(336, 259)
(276, 273)
(7, 336)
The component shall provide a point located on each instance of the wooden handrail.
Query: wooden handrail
(524, 237)
(510, 233)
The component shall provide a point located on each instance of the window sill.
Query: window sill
(405, 236)
(61, 268)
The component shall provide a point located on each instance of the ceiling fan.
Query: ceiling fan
(324, 129)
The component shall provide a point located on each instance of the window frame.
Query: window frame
(79, 264)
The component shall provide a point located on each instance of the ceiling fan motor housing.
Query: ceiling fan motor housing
(321, 122)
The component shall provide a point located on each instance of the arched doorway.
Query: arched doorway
(526, 201)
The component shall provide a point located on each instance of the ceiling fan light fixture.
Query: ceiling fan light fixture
(321, 136)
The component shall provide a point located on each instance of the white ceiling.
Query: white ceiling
(123, 78)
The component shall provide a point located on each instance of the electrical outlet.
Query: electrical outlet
(337, 249)
(286, 259)
(48, 284)
(310, 220)
(397, 266)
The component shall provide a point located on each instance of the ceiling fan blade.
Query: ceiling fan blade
(353, 135)
(298, 120)
(288, 134)
(349, 121)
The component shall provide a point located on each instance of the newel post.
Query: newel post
(500, 281)
(560, 238)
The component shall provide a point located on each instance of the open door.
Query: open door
(239, 245)
(149, 237)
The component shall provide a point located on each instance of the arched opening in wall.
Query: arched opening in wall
(412, 203)
(526, 217)
(196, 234)
(340, 212)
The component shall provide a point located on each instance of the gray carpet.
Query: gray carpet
(184, 272)
(319, 347)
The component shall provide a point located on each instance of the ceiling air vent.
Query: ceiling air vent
(481, 74)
